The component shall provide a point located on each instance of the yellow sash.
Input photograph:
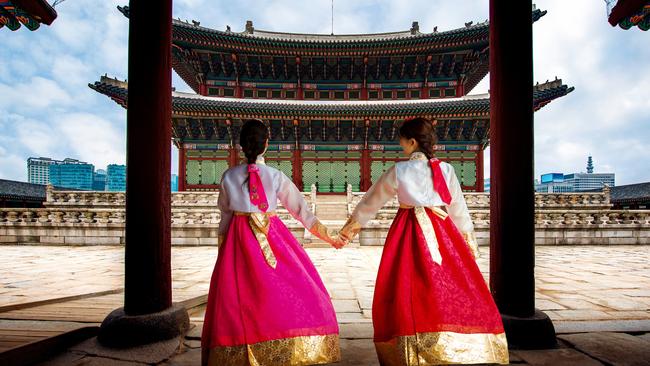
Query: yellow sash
(260, 223)
(427, 228)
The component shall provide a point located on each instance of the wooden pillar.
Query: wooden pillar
(480, 180)
(233, 156)
(182, 166)
(203, 89)
(148, 209)
(512, 220)
(366, 181)
(148, 314)
(296, 159)
(460, 88)
(233, 152)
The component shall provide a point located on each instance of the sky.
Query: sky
(47, 108)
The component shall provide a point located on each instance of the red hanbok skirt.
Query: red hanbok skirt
(429, 314)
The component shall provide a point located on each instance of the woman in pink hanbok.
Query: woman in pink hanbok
(267, 304)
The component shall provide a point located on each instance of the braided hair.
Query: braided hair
(252, 138)
(422, 130)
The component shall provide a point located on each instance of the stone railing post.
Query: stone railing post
(48, 193)
(607, 191)
(348, 192)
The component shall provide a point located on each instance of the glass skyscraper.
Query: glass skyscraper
(72, 174)
(116, 177)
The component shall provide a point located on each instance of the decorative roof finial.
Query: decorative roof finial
(415, 28)
(249, 27)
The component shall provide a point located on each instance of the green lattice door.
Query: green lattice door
(205, 166)
(381, 162)
(464, 166)
(282, 165)
(331, 176)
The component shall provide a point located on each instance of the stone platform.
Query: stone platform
(588, 291)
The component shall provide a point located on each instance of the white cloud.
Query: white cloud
(47, 109)
(38, 93)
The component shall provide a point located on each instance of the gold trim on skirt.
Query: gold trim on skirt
(440, 348)
(260, 224)
(427, 227)
(304, 350)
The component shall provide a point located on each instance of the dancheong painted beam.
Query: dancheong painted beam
(29, 13)
(318, 142)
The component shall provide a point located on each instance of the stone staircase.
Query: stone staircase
(331, 211)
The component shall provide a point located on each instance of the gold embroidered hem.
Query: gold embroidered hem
(472, 243)
(438, 348)
(351, 228)
(305, 350)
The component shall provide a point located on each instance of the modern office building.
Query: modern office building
(116, 177)
(38, 170)
(99, 180)
(575, 182)
(174, 183)
(72, 174)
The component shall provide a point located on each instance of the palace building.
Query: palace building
(333, 103)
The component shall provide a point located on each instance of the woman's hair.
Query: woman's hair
(252, 139)
(423, 131)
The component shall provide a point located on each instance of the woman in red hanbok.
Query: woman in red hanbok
(267, 304)
(431, 304)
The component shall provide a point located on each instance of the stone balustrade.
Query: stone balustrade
(98, 218)
(478, 201)
(560, 218)
(93, 218)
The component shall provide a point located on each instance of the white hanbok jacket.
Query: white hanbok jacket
(234, 197)
(412, 183)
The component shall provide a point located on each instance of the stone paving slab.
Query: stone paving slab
(582, 288)
(555, 357)
(147, 354)
(585, 283)
(617, 349)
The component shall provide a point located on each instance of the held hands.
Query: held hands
(328, 235)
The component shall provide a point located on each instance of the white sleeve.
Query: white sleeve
(223, 203)
(458, 208)
(293, 200)
(383, 190)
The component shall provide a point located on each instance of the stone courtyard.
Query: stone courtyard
(588, 291)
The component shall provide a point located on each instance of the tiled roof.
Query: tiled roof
(186, 104)
(21, 190)
(630, 193)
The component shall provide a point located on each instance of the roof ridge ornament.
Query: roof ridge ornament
(415, 28)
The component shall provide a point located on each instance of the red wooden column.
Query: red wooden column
(480, 180)
(512, 210)
(182, 166)
(233, 153)
(366, 181)
(148, 314)
(296, 160)
(233, 156)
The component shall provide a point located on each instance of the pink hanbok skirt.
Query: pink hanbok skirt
(259, 314)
